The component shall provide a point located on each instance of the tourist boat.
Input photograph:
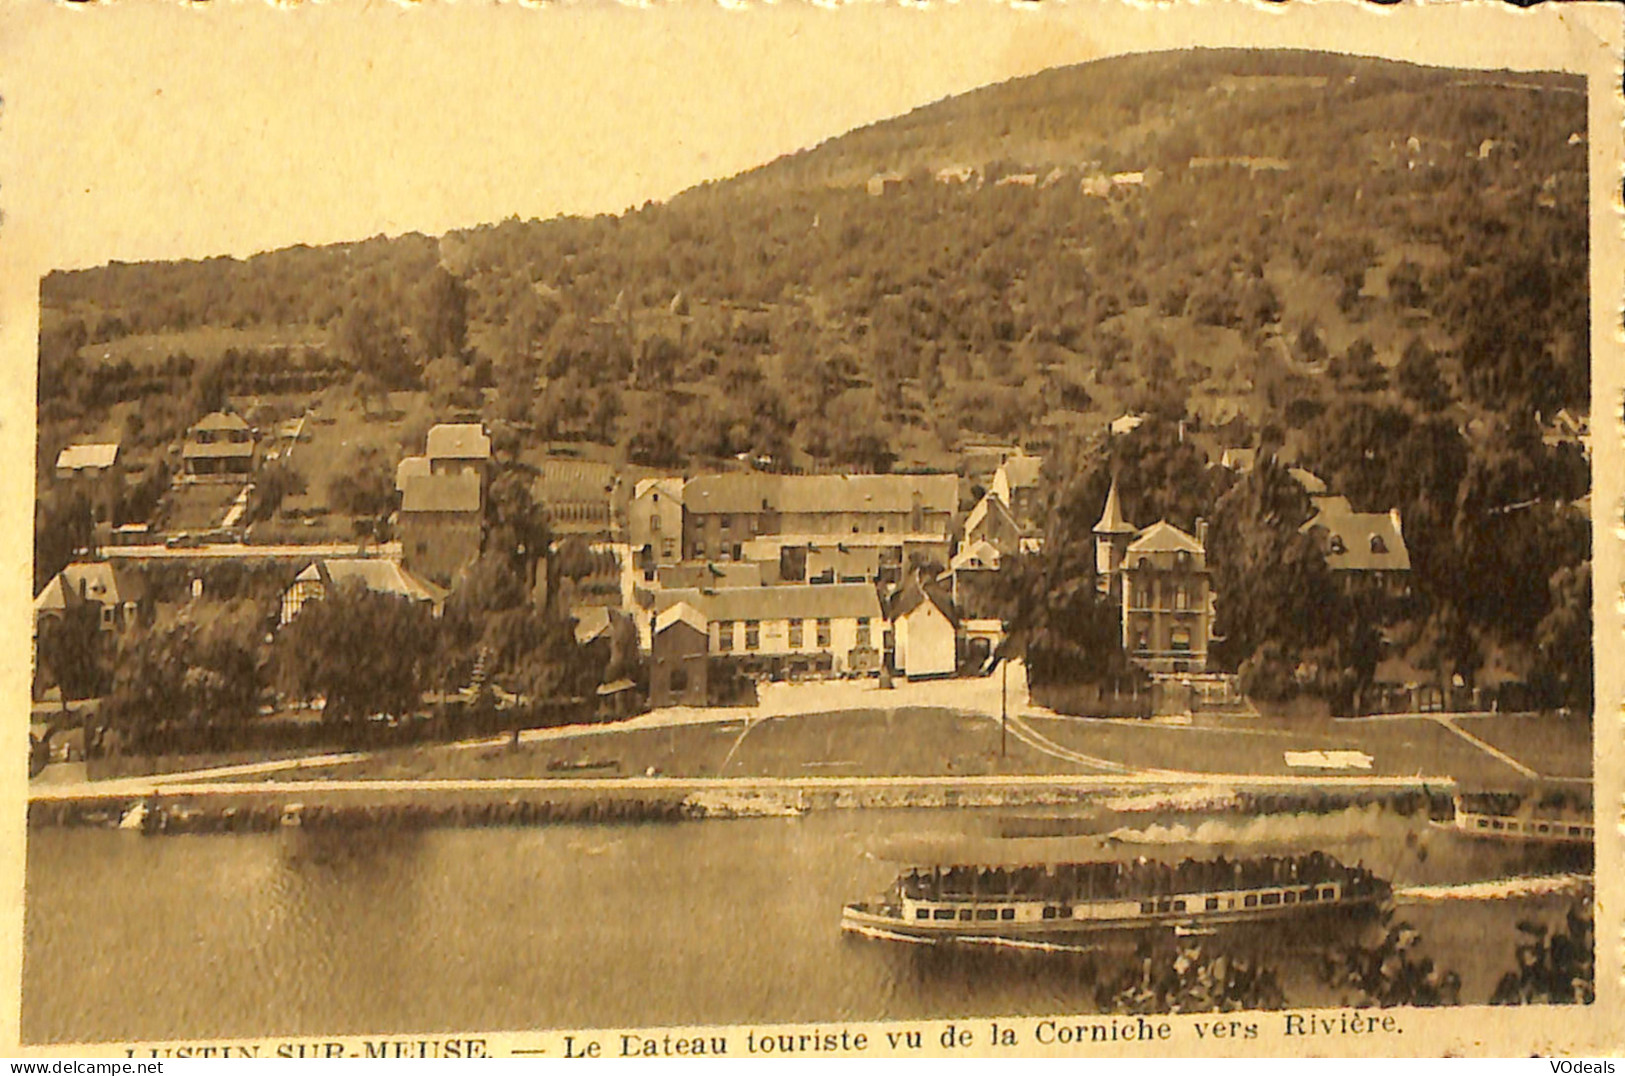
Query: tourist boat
(1509, 817)
(1048, 903)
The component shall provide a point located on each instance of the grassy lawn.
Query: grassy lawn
(931, 741)
(1397, 748)
(199, 506)
(1549, 744)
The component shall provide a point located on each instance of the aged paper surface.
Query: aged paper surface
(1206, 675)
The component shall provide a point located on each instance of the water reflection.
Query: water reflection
(305, 932)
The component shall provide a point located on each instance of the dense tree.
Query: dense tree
(183, 672)
(362, 651)
(1272, 582)
(72, 652)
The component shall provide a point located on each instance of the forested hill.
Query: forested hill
(1222, 234)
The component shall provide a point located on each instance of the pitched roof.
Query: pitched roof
(670, 485)
(976, 556)
(681, 612)
(96, 581)
(710, 574)
(1164, 537)
(591, 622)
(1312, 483)
(409, 468)
(216, 449)
(458, 441)
(1022, 471)
(915, 594)
(377, 575)
(221, 420)
(1358, 541)
(86, 457)
(1111, 518)
(991, 504)
(820, 493)
(793, 601)
(442, 493)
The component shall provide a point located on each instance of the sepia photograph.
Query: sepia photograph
(939, 518)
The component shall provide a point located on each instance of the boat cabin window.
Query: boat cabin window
(965, 914)
(1147, 907)
(1483, 823)
(1289, 897)
(1164, 905)
(1270, 898)
(1328, 893)
(1179, 905)
(1049, 911)
(943, 913)
(987, 913)
(1250, 900)
(1007, 913)
(1574, 831)
(922, 913)
(1310, 895)
(1213, 904)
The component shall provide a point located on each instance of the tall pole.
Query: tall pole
(1004, 702)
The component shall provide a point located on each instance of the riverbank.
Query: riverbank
(263, 806)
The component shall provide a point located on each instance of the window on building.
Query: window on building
(725, 635)
(727, 523)
(679, 681)
(1142, 640)
(654, 522)
(1181, 598)
(795, 635)
(863, 631)
(667, 548)
(823, 631)
(1180, 639)
(753, 635)
(1378, 545)
(1337, 544)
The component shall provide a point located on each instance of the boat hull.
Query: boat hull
(884, 923)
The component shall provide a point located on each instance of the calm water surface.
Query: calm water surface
(382, 930)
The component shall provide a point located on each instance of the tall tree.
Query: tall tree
(1272, 581)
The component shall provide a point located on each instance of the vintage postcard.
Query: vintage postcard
(764, 530)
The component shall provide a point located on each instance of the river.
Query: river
(386, 930)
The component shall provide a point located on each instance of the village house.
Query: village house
(787, 630)
(441, 525)
(321, 577)
(722, 512)
(116, 592)
(1365, 550)
(972, 578)
(95, 472)
(654, 523)
(925, 628)
(117, 595)
(992, 523)
(1016, 484)
(680, 658)
(220, 445)
(1159, 578)
(458, 448)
